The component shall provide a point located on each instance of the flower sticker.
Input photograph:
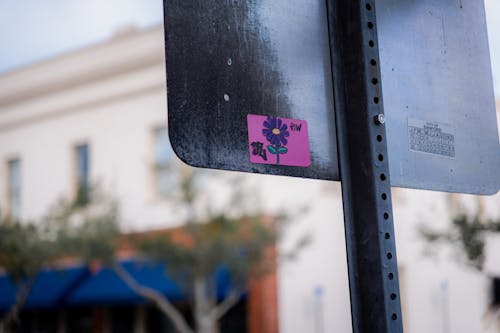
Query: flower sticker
(280, 141)
(276, 132)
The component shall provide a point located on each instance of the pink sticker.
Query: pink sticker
(274, 140)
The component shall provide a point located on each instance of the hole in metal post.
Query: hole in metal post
(379, 138)
(371, 43)
(380, 157)
(386, 216)
(393, 296)
(370, 25)
(375, 100)
(394, 316)
(387, 235)
(383, 177)
(389, 255)
(373, 62)
(368, 6)
(384, 196)
(374, 80)
(390, 276)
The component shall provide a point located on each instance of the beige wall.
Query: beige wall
(110, 96)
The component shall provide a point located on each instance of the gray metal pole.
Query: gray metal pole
(364, 169)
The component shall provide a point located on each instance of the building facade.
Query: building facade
(98, 116)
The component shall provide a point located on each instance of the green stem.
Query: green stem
(277, 154)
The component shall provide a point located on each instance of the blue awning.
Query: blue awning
(7, 292)
(49, 290)
(77, 286)
(106, 287)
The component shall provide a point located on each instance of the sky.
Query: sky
(33, 30)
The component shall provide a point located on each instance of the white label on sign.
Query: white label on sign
(431, 137)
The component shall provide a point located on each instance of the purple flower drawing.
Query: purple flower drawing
(276, 132)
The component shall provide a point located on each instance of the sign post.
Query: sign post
(364, 169)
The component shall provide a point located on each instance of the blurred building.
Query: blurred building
(98, 115)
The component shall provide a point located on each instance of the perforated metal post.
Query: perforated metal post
(364, 169)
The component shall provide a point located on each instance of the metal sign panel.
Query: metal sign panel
(249, 86)
(250, 89)
(438, 95)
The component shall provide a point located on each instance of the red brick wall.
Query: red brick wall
(263, 303)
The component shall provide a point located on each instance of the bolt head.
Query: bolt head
(380, 119)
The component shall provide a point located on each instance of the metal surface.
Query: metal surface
(227, 59)
(364, 169)
(438, 95)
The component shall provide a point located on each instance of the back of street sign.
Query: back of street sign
(233, 64)
(438, 98)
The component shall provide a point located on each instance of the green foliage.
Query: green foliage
(24, 249)
(467, 234)
(90, 232)
(199, 249)
(71, 229)
(228, 235)
(82, 198)
(232, 236)
(88, 228)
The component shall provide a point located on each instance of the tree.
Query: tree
(24, 250)
(71, 228)
(239, 245)
(215, 234)
(230, 233)
(466, 234)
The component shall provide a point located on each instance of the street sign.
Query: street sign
(251, 85)
(229, 62)
(238, 69)
(438, 95)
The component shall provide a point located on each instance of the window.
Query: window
(162, 156)
(82, 182)
(14, 189)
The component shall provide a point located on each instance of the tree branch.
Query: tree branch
(23, 290)
(221, 309)
(156, 297)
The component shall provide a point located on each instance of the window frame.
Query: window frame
(156, 194)
(75, 164)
